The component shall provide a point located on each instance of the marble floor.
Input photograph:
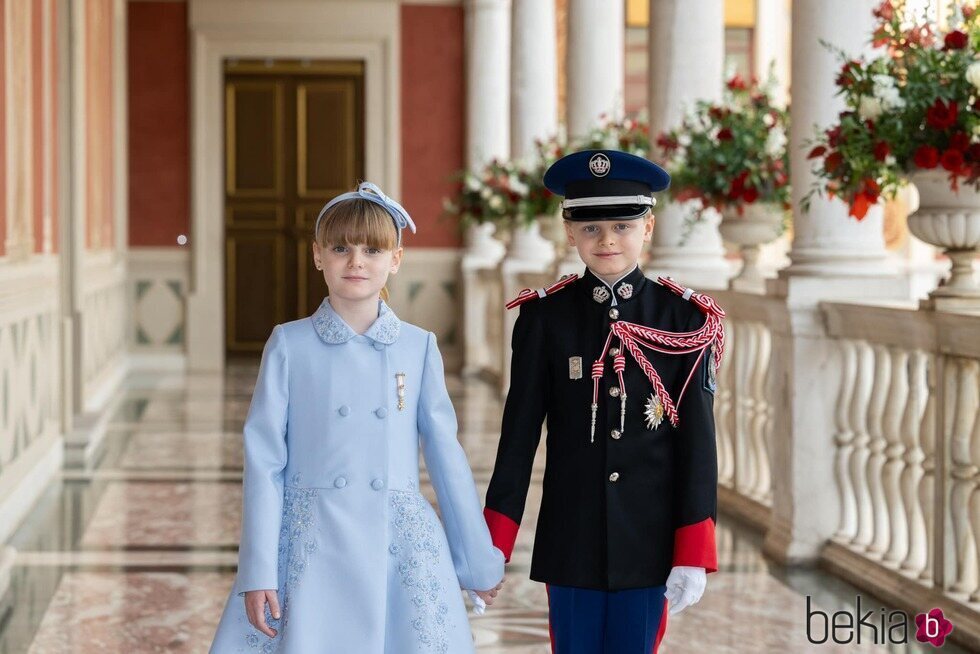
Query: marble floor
(137, 553)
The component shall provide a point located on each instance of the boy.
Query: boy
(623, 368)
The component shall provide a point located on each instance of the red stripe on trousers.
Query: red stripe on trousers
(551, 631)
(661, 630)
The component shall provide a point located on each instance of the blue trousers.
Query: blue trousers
(584, 621)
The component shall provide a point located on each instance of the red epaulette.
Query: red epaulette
(706, 303)
(532, 293)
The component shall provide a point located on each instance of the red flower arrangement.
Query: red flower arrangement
(730, 154)
(914, 107)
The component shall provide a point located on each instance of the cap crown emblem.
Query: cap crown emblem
(599, 165)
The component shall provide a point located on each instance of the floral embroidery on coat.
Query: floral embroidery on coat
(416, 551)
(296, 544)
(333, 330)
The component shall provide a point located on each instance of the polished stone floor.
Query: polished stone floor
(137, 553)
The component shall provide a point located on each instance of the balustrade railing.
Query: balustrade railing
(907, 453)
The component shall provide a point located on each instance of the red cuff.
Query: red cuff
(503, 531)
(694, 545)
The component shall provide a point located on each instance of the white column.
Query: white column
(534, 114)
(487, 136)
(687, 50)
(771, 44)
(596, 50)
(826, 240)
(834, 257)
(487, 81)
(771, 47)
(534, 75)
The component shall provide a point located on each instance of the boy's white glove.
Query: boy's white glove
(479, 606)
(685, 585)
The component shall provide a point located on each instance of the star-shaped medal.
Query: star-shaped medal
(654, 411)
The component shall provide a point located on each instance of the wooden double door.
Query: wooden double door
(294, 138)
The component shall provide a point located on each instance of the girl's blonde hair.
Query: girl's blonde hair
(355, 221)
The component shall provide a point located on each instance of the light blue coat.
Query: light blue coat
(333, 517)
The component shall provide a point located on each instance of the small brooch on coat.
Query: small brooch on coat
(400, 381)
(625, 291)
(600, 294)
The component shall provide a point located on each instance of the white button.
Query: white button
(378, 346)
(615, 434)
(344, 410)
(377, 484)
(381, 413)
(614, 391)
(614, 476)
(614, 313)
(614, 351)
(339, 482)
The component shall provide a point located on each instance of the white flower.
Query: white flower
(684, 139)
(889, 160)
(517, 186)
(973, 74)
(869, 108)
(768, 119)
(496, 203)
(485, 193)
(886, 92)
(472, 184)
(640, 152)
(775, 142)
(883, 80)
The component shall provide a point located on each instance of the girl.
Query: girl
(339, 552)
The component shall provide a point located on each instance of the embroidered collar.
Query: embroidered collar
(625, 288)
(332, 328)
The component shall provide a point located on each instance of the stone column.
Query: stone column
(771, 44)
(771, 47)
(687, 44)
(826, 241)
(487, 81)
(834, 257)
(534, 75)
(487, 136)
(596, 44)
(534, 114)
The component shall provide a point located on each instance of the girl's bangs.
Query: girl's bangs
(355, 222)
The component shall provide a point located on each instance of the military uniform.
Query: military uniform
(630, 482)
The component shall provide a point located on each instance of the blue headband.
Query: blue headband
(371, 193)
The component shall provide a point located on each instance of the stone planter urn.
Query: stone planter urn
(527, 243)
(759, 224)
(951, 221)
(480, 242)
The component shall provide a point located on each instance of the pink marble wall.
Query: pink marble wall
(99, 136)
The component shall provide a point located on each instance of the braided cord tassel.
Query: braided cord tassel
(597, 368)
(619, 365)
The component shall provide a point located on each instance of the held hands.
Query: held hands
(483, 598)
(685, 585)
(255, 601)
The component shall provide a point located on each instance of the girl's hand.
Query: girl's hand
(255, 609)
(488, 596)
